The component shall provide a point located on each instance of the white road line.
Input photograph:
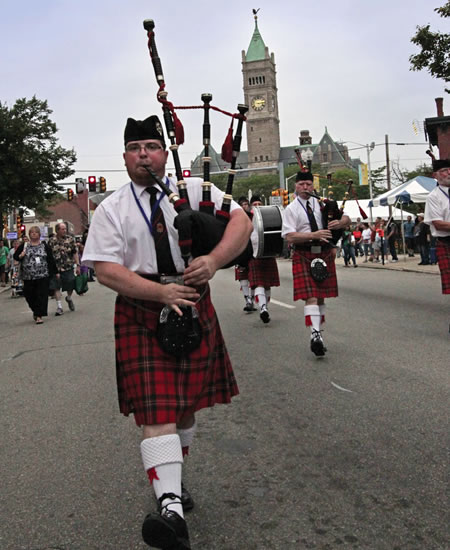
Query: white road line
(340, 387)
(282, 304)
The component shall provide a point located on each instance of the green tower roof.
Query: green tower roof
(257, 48)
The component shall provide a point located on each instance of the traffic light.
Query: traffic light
(18, 221)
(102, 184)
(329, 177)
(285, 196)
(69, 194)
(276, 193)
(21, 231)
(92, 181)
(186, 173)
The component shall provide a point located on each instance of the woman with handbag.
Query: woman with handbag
(37, 265)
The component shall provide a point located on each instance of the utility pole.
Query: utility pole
(388, 169)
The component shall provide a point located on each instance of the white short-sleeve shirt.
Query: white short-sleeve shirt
(119, 233)
(437, 207)
(295, 217)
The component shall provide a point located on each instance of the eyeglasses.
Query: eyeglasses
(149, 147)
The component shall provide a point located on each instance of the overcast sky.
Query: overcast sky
(341, 65)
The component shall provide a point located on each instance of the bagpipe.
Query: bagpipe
(200, 230)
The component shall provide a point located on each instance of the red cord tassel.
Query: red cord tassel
(179, 130)
(308, 322)
(227, 147)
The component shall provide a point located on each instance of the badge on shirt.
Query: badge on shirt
(159, 228)
(37, 260)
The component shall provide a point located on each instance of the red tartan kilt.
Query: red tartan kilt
(240, 273)
(263, 272)
(304, 285)
(158, 388)
(443, 258)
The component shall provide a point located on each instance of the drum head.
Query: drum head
(266, 237)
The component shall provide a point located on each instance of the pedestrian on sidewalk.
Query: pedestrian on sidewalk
(65, 252)
(392, 234)
(37, 266)
(348, 245)
(4, 251)
(423, 238)
(408, 228)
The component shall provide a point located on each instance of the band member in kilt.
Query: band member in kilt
(437, 215)
(262, 275)
(303, 228)
(241, 271)
(161, 390)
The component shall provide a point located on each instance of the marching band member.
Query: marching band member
(132, 242)
(262, 275)
(313, 261)
(437, 215)
(241, 271)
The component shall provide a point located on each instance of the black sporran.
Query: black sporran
(179, 335)
(318, 270)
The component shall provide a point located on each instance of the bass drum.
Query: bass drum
(266, 237)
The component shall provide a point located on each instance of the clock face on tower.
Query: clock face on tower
(258, 103)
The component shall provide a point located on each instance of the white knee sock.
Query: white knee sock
(245, 288)
(312, 317)
(186, 437)
(162, 457)
(261, 297)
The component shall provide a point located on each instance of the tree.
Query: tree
(435, 49)
(31, 161)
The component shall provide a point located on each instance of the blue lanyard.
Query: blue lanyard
(448, 196)
(154, 209)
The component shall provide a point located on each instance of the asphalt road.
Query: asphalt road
(348, 451)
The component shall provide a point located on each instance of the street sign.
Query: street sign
(11, 235)
(276, 200)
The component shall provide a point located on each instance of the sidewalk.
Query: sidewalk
(403, 264)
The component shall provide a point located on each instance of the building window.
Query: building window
(249, 81)
(260, 157)
(260, 140)
(256, 159)
(251, 128)
(267, 157)
(325, 157)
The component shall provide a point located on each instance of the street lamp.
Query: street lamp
(286, 181)
(307, 157)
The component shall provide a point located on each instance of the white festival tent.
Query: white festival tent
(415, 190)
(352, 210)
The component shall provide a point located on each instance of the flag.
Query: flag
(363, 174)
(316, 182)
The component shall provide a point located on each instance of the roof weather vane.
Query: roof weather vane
(255, 12)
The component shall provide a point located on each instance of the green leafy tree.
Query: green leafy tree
(31, 161)
(435, 49)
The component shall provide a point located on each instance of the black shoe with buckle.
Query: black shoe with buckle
(166, 530)
(317, 346)
(186, 500)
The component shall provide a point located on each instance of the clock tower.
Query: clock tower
(260, 93)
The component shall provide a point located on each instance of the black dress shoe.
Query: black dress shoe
(317, 345)
(167, 531)
(264, 315)
(186, 500)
